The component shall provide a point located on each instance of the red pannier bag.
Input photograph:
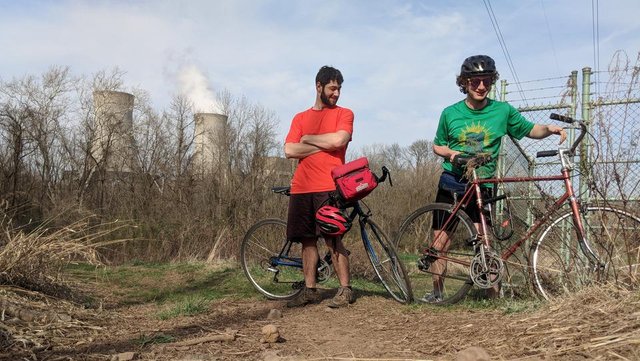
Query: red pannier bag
(354, 180)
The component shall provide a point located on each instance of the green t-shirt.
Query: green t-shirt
(479, 131)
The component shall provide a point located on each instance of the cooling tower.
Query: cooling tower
(209, 138)
(113, 146)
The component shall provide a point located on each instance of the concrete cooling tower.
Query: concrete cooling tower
(113, 146)
(209, 137)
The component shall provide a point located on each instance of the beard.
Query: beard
(326, 100)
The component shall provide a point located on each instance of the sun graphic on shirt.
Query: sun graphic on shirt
(475, 138)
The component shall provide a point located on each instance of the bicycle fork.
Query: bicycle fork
(580, 227)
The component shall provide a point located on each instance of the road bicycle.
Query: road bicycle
(585, 245)
(273, 264)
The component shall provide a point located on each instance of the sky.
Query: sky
(399, 58)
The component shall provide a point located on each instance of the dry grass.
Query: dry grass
(32, 322)
(33, 313)
(35, 260)
(600, 322)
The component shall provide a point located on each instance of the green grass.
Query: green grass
(189, 288)
(177, 288)
(145, 340)
(189, 306)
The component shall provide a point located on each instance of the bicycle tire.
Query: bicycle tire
(560, 265)
(385, 262)
(264, 240)
(416, 235)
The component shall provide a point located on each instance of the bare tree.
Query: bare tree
(34, 113)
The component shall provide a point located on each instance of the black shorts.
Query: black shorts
(449, 185)
(301, 217)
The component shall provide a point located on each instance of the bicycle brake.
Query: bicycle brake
(472, 242)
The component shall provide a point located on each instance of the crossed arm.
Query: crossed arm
(314, 143)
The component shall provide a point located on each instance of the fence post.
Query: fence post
(502, 155)
(585, 146)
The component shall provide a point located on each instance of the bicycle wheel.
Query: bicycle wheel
(385, 261)
(264, 265)
(561, 264)
(416, 236)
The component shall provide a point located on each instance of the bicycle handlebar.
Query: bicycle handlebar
(569, 120)
(286, 190)
(385, 173)
(462, 159)
(562, 118)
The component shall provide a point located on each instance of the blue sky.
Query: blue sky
(399, 58)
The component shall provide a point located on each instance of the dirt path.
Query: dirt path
(590, 326)
(372, 328)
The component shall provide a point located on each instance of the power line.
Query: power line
(553, 48)
(503, 46)
(596, 41)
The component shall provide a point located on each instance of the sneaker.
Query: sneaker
(343, 298)
(308, 295)
(431, 298)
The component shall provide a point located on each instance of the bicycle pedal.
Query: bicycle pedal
(423, 264)
(429, 256)
(272, 269)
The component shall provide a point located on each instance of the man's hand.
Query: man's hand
(554, 129)
(543, 131)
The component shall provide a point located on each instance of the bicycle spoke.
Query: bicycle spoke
(416, 235)
(385, 262)
(610, 252)
(261, 244)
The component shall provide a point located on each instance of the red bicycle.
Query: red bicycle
(572, 249)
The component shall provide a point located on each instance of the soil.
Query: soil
(373, 328)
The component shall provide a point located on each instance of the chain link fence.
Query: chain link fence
(606, 164)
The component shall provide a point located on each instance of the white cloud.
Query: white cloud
(399, 58)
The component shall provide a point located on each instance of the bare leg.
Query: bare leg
(340, 259)
(309, 261)
(438, 267)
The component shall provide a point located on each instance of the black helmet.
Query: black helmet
(478, 65)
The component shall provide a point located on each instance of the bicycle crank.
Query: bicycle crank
(323, 272)
(486, 269)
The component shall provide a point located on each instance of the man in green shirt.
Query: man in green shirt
(472, 126)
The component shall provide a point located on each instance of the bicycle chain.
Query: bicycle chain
(492, 275)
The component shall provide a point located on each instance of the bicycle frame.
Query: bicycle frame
(474, 188)
(568, 195)
(283, 259)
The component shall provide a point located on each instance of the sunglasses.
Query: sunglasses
(475, 82)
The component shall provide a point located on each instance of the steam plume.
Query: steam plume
(195, 86)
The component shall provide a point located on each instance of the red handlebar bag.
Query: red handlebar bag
(354, 180)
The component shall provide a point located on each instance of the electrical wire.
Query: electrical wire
(553, 48)
(503, 46)
(596, 41)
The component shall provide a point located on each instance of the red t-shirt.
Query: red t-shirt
(313, 173)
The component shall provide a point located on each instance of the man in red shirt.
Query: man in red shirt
(318, 138)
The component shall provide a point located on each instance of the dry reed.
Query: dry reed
(37, 258)
(602, 322)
